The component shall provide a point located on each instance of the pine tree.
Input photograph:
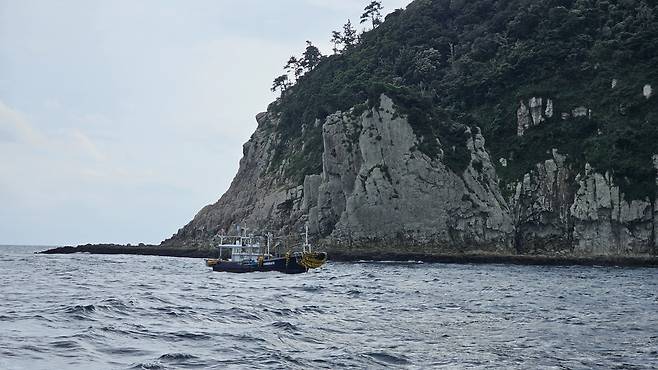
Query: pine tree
(281, 83)
(372, 13)
(349, 35)
(311, 56)
(337, 40)
(294, 67)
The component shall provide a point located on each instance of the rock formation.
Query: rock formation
(540, 208)
(381, 147)
(655, 209)
(606, 223)
(380, 189)
(377, 189)
(534, 114)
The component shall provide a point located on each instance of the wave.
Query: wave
(349, 316)
(65, 344)
(192, 336)
(388, 358)
(81, 309)
(177, 356)
(286, 326)
(148, 366)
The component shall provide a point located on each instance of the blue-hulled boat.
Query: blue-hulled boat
(247, 256)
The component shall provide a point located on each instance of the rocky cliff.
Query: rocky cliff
(377, 190)
(559, 210)
(525, 161)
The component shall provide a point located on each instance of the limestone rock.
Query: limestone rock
(533, 114)
(655, 208)
(579, 112)
(595, 219)
(647, 91)
(340, 165)
(311, 186)
(262, 118)
(536, 111)
(377, 190)
(540, 208)
(388, 192)
(605, 223)
(549, 108)
(260, 196)
(522, 118)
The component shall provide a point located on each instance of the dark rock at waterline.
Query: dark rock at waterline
(141, 249)
(487, 258)
(353, 255)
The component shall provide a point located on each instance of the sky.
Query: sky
(120, 119)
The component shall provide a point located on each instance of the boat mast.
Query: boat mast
(306, 238)
(269, 237)
(221, 243)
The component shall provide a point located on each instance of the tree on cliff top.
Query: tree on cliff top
(281, 83)
(372, 13)
(294, 67)
(350, 37)
(311, 56)
(297, 67)
(450, 63)
(347, 39)
(337, 40)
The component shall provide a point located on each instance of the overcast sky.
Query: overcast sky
(120, 119)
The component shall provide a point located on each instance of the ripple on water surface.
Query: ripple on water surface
(82, 311)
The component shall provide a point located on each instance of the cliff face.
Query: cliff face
(505, 127)
(376, 188)
(559, 210)
(260, 196)
(377, 191)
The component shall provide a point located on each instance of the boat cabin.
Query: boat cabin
(241, 253)
(242, 248)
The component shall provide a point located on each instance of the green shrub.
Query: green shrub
(449, 65)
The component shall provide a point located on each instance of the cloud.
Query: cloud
(345, 6)
(133, 114)
(85, 143)
(14, 127)
(52, 104)
(339, 5)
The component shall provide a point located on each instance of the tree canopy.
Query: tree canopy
(372, 13)
(452, 64)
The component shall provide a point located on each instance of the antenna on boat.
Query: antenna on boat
(269, 238)
(306, 238)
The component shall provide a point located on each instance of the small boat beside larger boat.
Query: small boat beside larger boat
(246, 255)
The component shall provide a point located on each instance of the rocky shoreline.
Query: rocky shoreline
(141, 249)
(373, 186)
(485, 258)
(355, 255)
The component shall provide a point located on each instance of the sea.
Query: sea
(85, 311)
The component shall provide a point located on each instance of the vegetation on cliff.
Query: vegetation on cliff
(449, 64)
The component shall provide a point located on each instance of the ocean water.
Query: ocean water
(134, 312)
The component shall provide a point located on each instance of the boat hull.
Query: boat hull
(286, 265)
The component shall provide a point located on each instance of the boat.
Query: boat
(246, 255)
